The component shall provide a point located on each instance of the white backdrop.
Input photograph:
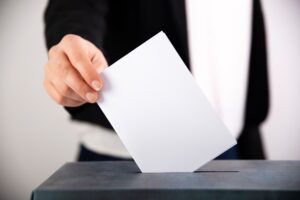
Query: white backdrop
(35, 135)
(282, 128)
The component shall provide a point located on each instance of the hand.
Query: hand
(72, 72)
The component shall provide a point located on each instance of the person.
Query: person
(85, 37)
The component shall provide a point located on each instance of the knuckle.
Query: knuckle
(70, 79)
(64, 71)
(70, 38)
(78, 87)
(61, 100)
(77, 60)
(65, 90)
(82, 88)
(88, 77)
(85, 71)
(53, 50)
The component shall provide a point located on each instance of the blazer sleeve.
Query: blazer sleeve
(86, 18)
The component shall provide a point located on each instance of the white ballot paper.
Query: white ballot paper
(159, 112)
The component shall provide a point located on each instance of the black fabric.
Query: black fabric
(119, 26)
(258, 75)
(257, 104)
(88, 155)
(250, 146)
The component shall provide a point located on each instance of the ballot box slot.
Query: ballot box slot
(218, 171)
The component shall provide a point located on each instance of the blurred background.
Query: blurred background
(36, 136)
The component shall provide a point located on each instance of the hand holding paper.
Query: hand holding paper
(159, 112)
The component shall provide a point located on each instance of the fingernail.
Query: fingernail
(91, 97)
(96, 85)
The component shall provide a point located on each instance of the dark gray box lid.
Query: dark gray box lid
(216, 180)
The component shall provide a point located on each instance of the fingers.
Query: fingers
(79, 86)
(60, 99)
(72, 72)
(67, 81)
(66, 91)
(80, 55)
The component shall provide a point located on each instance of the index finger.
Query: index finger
(79, 55)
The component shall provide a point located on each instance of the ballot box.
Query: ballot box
(216, 180)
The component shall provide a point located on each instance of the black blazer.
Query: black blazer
(116, 27)
(119, 26)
